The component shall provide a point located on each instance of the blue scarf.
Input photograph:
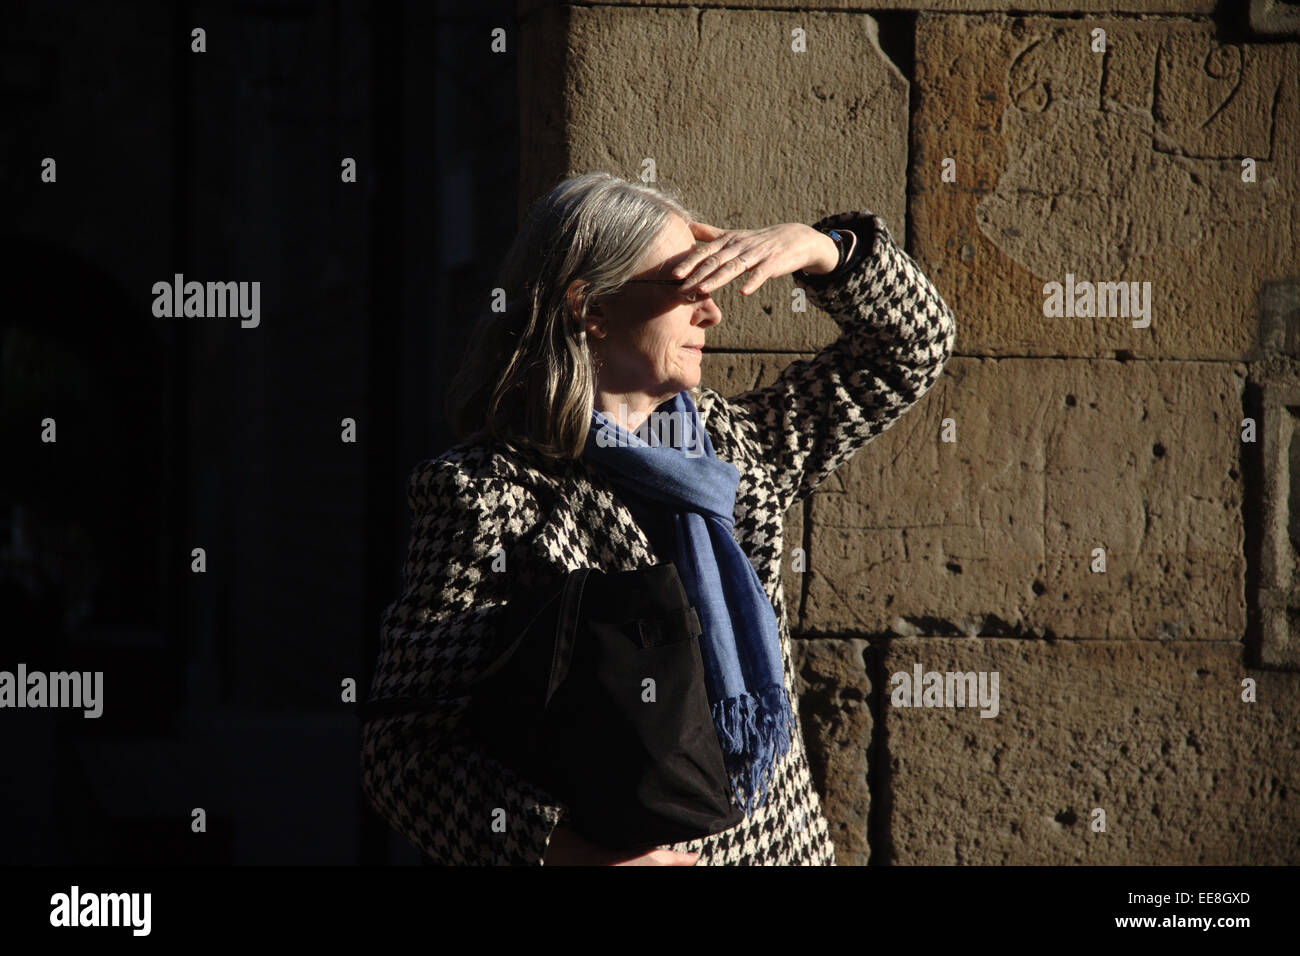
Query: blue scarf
(683, 494)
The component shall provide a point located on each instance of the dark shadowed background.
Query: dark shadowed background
(222, 690)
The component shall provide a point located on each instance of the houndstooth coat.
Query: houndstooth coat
(461, 806)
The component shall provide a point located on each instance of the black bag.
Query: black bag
(569, 704)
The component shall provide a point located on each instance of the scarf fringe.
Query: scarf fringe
(755, 731)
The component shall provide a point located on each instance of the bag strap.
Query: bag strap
(566, 629)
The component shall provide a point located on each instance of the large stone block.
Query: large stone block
(1155, 735)
(1278, 437)
(1122, 166)
(994, 533)
(1267, 17)
(746, 130)
(1275, 17)
(834, 689)
(731, 373)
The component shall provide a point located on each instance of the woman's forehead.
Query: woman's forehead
(674, 242)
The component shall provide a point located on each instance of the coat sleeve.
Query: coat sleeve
(456, 803)
(896, 335)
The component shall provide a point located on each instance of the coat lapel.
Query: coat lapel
(589, 525)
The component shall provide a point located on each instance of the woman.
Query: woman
(608, 305)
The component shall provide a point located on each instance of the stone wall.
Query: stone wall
(1146, 705)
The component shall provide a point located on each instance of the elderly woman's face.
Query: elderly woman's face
(653, 338)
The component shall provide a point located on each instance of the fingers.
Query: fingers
(659, 858)
(702, 230)
(690, 267)
(717, 259)
(728, 270)
(755, 276)
(672, 858)
(712, 271)
(710, 240)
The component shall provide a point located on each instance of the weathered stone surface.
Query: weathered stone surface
(748, 132)
(994, 533)
(1156, 735)
(1278, 435)
(542, 102)
(730, 373)
(833, 689)
(950, 6)
(1122, 166)
(1275, 17)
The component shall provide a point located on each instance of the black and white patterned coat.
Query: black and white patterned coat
(479, 505)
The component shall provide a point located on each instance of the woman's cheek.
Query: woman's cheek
(676, 360)
(645, 358)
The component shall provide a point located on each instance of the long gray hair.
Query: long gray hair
(528, 378)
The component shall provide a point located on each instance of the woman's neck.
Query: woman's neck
(627, 409)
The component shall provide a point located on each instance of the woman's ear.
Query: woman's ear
(572, 297)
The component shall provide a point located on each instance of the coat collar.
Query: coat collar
(585, 522)
(588, 525)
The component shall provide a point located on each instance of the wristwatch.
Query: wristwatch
(846, 241)
(841, 243)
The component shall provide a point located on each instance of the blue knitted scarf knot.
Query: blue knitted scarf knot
(678, 489)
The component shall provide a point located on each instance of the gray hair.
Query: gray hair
(528, 378)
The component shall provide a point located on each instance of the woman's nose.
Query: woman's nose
(709, 312)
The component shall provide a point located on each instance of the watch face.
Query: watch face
(839, 244)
